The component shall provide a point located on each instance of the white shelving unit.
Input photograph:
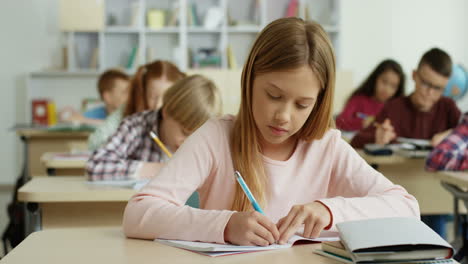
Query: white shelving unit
(114, 43)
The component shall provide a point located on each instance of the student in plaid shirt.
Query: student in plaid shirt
(131, 152)
(452, 152)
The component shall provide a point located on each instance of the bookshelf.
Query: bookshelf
(179, 31)
(116, 27)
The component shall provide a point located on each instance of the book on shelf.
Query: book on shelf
(65, 60)
(193, 15)
(173, 17)
(213, 18)
(43, 112)
(94, 60)
(232, 62)
(136, 10)
(150, 54)
(189, 17)
(132, 58)
(255, 12)
(206, 58)
(292, 9)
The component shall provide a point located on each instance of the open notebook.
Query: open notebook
(215, 250)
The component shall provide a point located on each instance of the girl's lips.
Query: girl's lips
(278, 131)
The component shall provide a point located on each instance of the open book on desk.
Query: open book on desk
(419, 144)
(216, 250)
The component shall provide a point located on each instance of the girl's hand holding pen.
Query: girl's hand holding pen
(384, 132)
(250, 229)
(314, 216)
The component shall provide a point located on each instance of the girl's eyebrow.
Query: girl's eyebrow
(300, 98)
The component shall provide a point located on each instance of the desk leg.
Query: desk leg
(459, 194)
(33, 218)
(456, 217)
(51, 172)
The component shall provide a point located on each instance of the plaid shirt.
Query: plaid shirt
(452, 152)
(124, 152)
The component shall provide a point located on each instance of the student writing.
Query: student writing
(132, 153)
(424, 114)
(387, 81)
(282, 142)
(146, 90)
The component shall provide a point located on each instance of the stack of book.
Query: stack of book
(388, 240)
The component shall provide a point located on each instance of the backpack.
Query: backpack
(14, 232)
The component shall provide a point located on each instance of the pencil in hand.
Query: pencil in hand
(160, 144)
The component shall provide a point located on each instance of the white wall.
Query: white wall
(372, 30)
(403, 30)
(29, 41)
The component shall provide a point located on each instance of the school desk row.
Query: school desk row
(86, 245)
(70, 201)
(408, 172)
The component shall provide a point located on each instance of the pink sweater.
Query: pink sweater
(328, 170)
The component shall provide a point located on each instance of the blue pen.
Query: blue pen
(362, 115)
(247, 192)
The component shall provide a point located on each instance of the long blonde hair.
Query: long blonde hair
(284, 44)
(192, 100)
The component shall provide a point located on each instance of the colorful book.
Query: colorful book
(292, 9)
(132, 57)
(232, 62)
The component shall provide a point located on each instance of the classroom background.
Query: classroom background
(364, 32)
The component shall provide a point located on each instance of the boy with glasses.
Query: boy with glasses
(424, 114)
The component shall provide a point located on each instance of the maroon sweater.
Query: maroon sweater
(411, 123)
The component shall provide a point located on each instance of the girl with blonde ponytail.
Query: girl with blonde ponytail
(284, 144)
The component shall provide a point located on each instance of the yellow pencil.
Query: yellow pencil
(160, 144)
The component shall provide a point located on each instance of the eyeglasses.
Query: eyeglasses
(427, 84)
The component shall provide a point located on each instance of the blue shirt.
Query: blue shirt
(96, 113)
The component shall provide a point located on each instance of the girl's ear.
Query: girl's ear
(106, 97)
(163, 112)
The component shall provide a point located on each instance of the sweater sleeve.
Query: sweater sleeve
(367, 135)
(357, 191)
(348, 120)
(452, 152)
(103, 132)
(158, 210)
(454, 115)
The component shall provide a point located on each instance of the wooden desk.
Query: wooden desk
(39, 141)
(63, 167)
(459, 179)
(108, 245)
(410, 173)
(68, 201)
